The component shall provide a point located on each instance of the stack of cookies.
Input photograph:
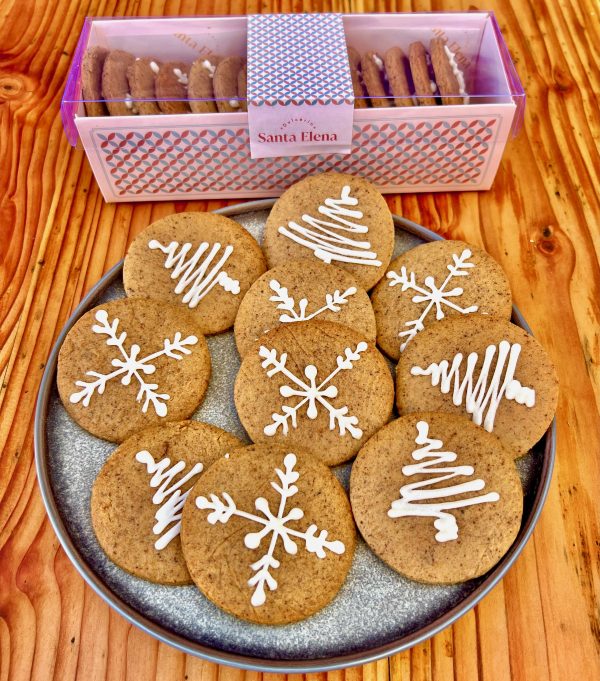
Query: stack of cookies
(421, 77)
(266, 531)
(117, 83)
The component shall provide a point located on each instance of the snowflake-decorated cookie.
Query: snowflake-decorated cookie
(338, 219)
(200, 261)
(131, 363)
(268, 534)
(315, 385)
(299, 291)
(138, 496)
(485, 368)
(434, 281)
(436, 497)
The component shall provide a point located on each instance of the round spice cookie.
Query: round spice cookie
(138, 496)
(268, 534)
(315, 385)
(91, 81)
(436, 497)
(132, 363)
(298, 291)
(171, 87)
(201, 261)
(141, 75)
(339, 219)
(433, 281)
(115, 86)
(485, 368)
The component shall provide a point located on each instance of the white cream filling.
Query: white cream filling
(378, 61)
(458, 74)
(432, 87)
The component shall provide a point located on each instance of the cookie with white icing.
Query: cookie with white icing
(141, 75)
(225, 83)
(486, 369)
(200, 86)
(130, 363)
(436, 497)
(171, 87)
(115, 85)
(268, 534)
(299, 291)
(434, 281)
(202, 262)
(373, 76)
(449, 77)
(138, 496)
(336, 218)
(315, 385)
(422, 74)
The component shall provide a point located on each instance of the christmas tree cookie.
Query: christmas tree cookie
(299, 291)
(132, 363)
(338, 219)
(432, 282)
(316, 385)
(268, 534)
(138, 496)
(436, 497)
(486, 369)
(200, 261)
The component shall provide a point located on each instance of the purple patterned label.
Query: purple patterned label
(300, 97)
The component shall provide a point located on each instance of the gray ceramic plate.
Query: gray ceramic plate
(376, 613)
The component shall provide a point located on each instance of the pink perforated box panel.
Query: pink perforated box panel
(299, 124)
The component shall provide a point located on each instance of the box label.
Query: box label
(300, 97)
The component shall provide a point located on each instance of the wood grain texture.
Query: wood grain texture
(541, 220)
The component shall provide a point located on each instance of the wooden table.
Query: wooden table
(541, 220)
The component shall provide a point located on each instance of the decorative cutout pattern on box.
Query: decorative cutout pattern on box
(178, 161)
(297, 59)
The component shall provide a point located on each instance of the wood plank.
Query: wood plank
(540, 220)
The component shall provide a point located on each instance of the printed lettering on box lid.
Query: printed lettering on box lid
(300, 96)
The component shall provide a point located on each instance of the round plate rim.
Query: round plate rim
(245, 661)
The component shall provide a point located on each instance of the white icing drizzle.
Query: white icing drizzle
(272, 526)
(193, 273)
(378, 61)
(169, 496)
(458, 73)
(431, 462)
(131, 366)
(181, 76)
(490, 388)
(432, 87)
(329, 245)
(210, 67)
(234, 104)
(155, 67)
(310, 393)
(128, 100)
(333, 303)
(435, 297)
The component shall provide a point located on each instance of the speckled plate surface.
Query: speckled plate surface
(377, 612)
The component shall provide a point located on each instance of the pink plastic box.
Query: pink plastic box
(299, 86)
